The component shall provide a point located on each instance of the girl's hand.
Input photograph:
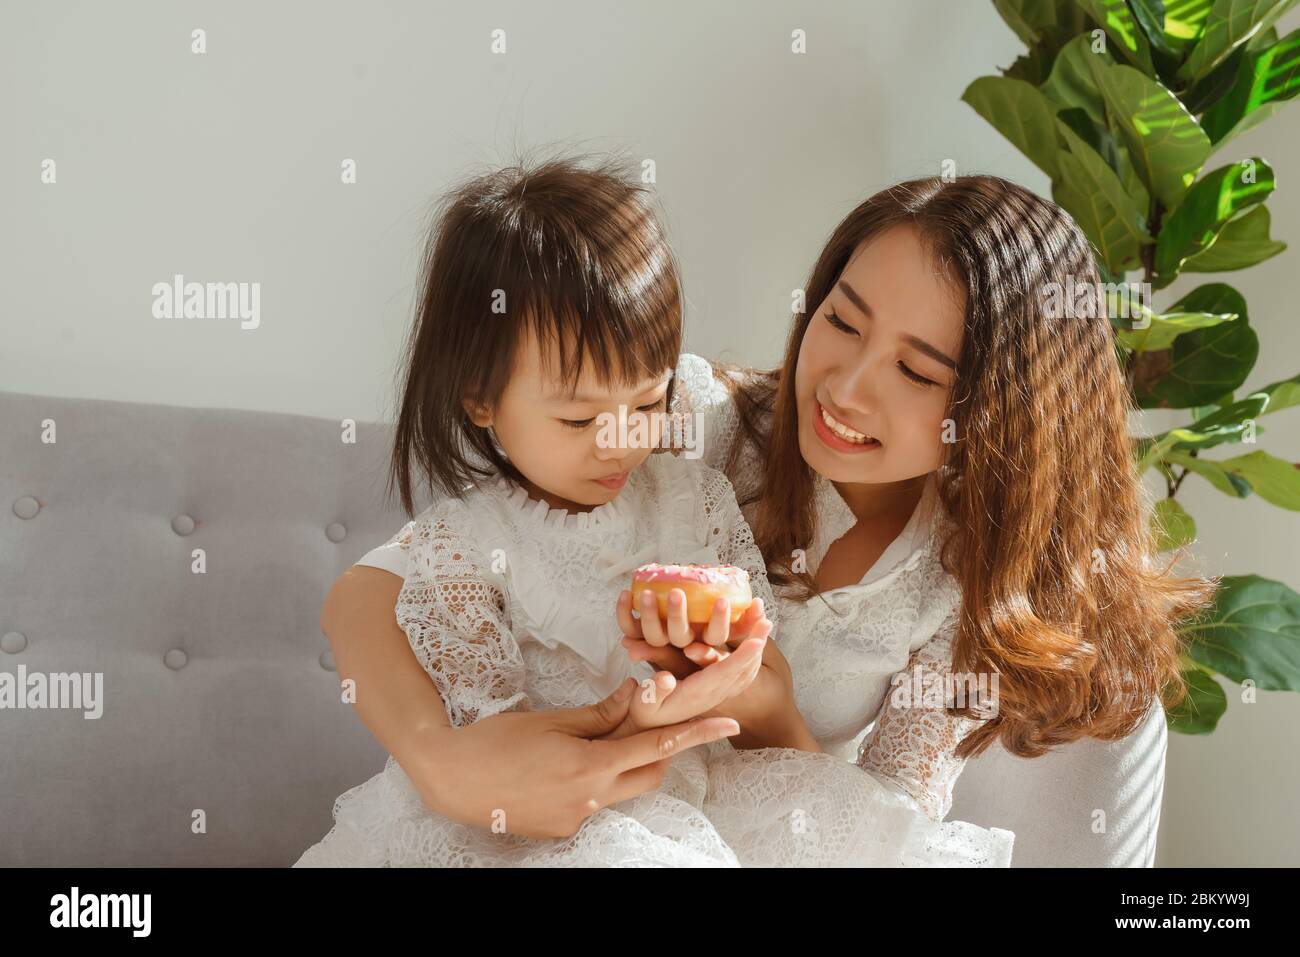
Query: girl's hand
(762, 707)
(663, 700)
(719, 632)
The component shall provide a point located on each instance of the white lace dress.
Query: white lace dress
(508, 604)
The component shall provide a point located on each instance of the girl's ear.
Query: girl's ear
(478, 414)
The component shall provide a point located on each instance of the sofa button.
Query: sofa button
(336, 532)
(13, 642)
(327, 660)
(182, 525)
(175, 659)
(26, 507)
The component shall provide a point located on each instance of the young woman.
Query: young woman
(939, 478)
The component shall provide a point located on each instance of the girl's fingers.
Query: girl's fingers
(623, 611)
(743, 628)
(651, 628)
(679, 629)
(666, 658)
(719, 623)
(704, 655)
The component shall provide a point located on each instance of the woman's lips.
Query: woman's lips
(833, 441)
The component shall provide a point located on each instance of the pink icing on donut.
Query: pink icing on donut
(701, 574)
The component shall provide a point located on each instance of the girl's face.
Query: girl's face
(879, 358)
(555, 439)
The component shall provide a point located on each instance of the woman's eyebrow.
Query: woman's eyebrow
(916, 343)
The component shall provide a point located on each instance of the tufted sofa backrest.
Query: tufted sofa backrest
(183, 555)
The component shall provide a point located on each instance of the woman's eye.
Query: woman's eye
(919, 379)
(653, 405)
(839, 323)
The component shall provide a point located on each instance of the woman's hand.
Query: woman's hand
(549, 770)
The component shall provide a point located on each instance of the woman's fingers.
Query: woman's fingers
(648, 747)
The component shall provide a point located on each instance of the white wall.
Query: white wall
(225, 167)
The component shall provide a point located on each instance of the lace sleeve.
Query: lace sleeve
(728, 531)
(698, 392)
(454, 614)
(913, 743)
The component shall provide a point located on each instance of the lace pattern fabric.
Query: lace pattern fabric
(495, 636)
(849, 646)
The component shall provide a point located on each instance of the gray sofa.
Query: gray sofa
(222, 738)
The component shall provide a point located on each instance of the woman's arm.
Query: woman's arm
(913, 744)
(548, 764)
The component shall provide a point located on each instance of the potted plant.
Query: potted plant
(1127, 105)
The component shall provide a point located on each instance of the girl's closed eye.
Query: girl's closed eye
(583, 423)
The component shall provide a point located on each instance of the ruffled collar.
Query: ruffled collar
(835, 518)
(538, 512)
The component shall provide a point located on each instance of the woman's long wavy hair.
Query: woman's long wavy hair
(1051, 548)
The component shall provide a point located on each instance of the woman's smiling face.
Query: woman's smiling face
(879, 360)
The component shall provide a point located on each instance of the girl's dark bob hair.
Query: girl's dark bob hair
(570, 247)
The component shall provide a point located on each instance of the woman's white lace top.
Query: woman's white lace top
(848, 647)
(509, 602)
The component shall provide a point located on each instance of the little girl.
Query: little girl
(551, 306)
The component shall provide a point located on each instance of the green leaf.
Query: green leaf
(1117, 20)
(1234, 415)
(1231, 423)
(1225, 481)
(1230, 23)
(1185, 20)
(1042, 23)
(1215, 199)
(1033, 67)
(1200, 711)
(1242, 242)
(1075, 77)
(1172, 526)
(1020, 113)
(1017, 17)
(1252, 633)
(1273, 479)
(1212, 87)
(1281, 395)
(1265, 80)
(1166, 145)
(1204, 363)
(1164, 329)
(1090, 191)
(1150, 16)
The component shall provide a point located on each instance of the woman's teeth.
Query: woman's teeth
(843, 431)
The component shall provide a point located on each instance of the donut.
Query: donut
(703, 585)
